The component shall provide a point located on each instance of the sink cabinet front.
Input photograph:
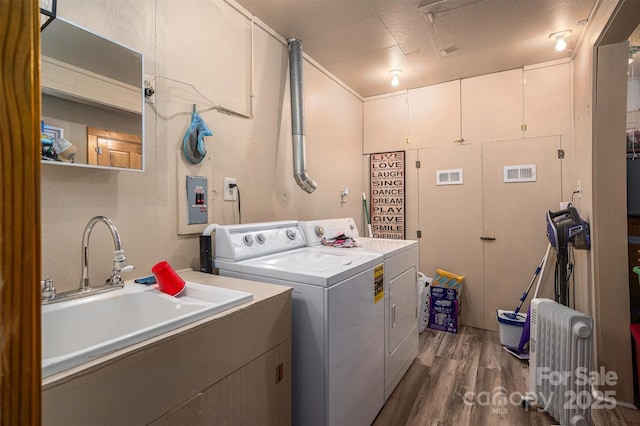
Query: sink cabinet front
(234, 369)
(256, 394)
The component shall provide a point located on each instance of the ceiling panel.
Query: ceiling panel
(349, 41)
(432, 41)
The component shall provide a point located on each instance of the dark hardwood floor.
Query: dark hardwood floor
(468, 379)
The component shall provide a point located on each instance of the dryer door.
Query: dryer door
(402, 307)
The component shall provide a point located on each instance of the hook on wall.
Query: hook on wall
(344, 194)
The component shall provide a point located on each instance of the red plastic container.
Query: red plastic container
(168, 279)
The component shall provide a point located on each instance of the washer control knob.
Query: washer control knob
(291, 234)
(319, 231)
(260, 238)
(247, 239)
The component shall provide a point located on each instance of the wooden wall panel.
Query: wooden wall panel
(19, 216)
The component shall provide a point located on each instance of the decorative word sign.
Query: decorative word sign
(387, 195)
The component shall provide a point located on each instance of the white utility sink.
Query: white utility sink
(78, 330)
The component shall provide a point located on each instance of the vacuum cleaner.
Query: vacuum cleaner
(565, 227)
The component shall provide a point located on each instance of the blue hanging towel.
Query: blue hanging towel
(193, 143)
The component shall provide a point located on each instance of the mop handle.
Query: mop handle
(546, 256)
(366, 209)
(526, 293)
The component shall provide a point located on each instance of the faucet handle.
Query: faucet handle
(116, 279)
(48, 290)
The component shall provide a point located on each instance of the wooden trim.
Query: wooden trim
(20, 255)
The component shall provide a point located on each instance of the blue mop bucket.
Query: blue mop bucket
(511, 327)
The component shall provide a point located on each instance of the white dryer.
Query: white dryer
(337, 358)
(401, 259)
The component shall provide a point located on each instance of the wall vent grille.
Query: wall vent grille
(524, 173)
(449, 177)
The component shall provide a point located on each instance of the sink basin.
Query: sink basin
(76, 331)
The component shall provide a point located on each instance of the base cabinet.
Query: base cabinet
(257, 393)
(234, 369)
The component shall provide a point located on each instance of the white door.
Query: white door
(451, 222)
(515, 215)
(511, 216)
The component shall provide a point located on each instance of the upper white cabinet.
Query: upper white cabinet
(516, 104)
(547, 100)
(434, 115)
(386, 123)
(492, 107)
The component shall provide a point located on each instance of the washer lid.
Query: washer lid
(307, 266)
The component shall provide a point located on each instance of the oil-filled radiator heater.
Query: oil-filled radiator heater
(560, 358)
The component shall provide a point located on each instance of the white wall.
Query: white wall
(601, 274)
(179, 44)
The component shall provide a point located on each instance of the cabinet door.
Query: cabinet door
(385, 124)
(451, 223)
(547, 101)
(260, 392)
(492, 107)
(206, 408)
(113, 149)
(434, 115)
(515, 215)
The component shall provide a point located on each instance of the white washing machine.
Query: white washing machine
(401, 259)
(337, 322)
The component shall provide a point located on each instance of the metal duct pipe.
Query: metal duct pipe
(303, 179)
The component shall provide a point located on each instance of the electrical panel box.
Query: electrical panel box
(197, 200)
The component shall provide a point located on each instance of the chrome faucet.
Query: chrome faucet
(119, 261)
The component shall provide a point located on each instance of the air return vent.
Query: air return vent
(449, 177)
(525, 173)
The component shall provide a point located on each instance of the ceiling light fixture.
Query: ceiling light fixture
(395, 80)
(559, 37)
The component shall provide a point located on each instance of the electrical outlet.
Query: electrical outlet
(579, 189)
(149, 91)
(230, 194)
